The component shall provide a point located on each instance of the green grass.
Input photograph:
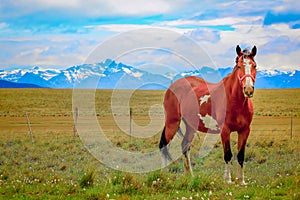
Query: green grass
(65, 169)
(57, 167)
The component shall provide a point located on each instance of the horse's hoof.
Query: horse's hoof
(241, 182)
(228, 181)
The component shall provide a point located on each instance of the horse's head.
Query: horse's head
(246, 70)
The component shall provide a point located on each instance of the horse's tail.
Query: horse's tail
(163, 146)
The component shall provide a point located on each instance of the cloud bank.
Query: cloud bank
(63, 33)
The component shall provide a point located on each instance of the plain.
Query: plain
(55, 165)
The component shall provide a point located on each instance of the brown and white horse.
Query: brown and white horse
(223, 108)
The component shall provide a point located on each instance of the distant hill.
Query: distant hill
(7, 84)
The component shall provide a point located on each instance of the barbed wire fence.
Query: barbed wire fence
(56, 126)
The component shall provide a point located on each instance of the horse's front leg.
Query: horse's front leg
(225, 136)
(242, 140)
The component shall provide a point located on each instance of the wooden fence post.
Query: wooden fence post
(130, 123)
(291, 134)
(75, 123)
(29, 127)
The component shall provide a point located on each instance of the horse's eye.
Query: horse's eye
(254, 66)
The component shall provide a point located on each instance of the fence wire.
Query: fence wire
(63, 126)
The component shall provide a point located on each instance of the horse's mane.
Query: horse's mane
(235, 68)
(232, 72)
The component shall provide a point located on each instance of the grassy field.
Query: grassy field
(58, 166)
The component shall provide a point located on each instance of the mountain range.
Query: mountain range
(7, 84)
(110, 75)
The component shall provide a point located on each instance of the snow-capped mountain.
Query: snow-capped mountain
(106, 75)
(109, 75)
(278, 79)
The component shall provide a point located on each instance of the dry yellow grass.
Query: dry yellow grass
(57, 167)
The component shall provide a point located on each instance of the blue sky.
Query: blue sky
(63, 33)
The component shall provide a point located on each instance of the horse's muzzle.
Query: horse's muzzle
(248, 91)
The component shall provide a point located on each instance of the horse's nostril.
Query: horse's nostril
(248, 91)
(252, 91)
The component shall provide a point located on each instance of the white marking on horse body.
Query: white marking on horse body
(204, 99)
(209, 122)
(247, 64)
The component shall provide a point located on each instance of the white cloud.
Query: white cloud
(212, 22)
(278, 61)
(54, 51)
(278, 44)
(140, 7)
(246, 18)
(34, 57)
(33, 52)
(287, 6)
(3, 25)
(93, 7)
(118, 28)
(204, 35)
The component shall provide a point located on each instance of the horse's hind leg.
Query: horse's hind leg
(168, 133)
(165, 155)
(187, 163)
(186, 146)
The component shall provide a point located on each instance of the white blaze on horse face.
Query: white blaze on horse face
(248, 66)
(209, 122)
(204, 99)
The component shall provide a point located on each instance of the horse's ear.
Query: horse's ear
(238, 50)
(253, 51)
